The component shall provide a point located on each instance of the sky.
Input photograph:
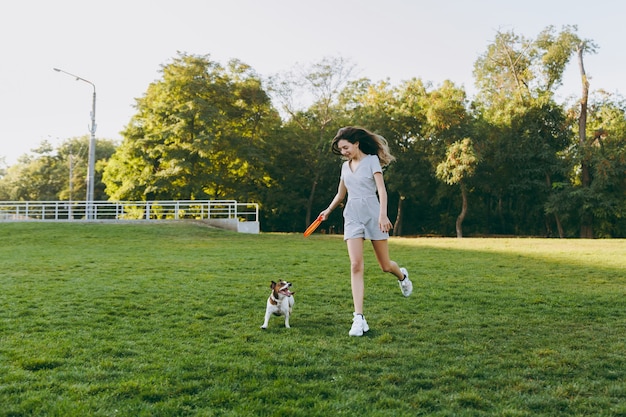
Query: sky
(121, 45)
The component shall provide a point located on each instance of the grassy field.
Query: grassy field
(163, 320)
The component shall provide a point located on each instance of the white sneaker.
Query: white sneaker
(405, 285)
(359, 325)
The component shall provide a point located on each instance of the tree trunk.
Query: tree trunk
(461, 217)
(397, 227)
(586, 221)
(559, 226)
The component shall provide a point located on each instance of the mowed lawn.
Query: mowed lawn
(162, 319)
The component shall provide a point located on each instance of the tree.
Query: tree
(60, 174)
(448, 122)
(34, 177)
(526, 130)
(72, 154)
(459, 165)
(607, 122)
(197, 134)
(586, 226)
(603, 199)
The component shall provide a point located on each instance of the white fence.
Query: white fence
(229, 214)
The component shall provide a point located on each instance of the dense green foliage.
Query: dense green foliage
(163, 320)
(197, 134)
(56, 174)
(538, 167)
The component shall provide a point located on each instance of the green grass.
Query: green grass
(163, 320)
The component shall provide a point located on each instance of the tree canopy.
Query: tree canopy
(197, 134)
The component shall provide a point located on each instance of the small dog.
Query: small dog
(279, 303)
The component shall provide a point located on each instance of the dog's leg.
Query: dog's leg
(268, 314)
(287, 319)
(290, 302)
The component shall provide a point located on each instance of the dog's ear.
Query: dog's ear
(272, 285)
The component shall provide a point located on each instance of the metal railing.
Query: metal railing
(128, 210)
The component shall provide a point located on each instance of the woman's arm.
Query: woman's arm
(383, 220)
(341, 194)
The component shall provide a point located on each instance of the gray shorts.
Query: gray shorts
(361, 220)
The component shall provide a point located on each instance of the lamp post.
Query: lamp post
(92, 147)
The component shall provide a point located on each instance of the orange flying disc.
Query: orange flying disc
(313, 226)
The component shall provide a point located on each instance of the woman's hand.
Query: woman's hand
(384, 223)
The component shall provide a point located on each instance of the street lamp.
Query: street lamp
(92, 146)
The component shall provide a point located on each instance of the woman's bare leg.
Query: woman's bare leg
(381, 250)
(387, 265)
(355, 251)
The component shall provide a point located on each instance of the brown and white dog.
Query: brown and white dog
(279, 303)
